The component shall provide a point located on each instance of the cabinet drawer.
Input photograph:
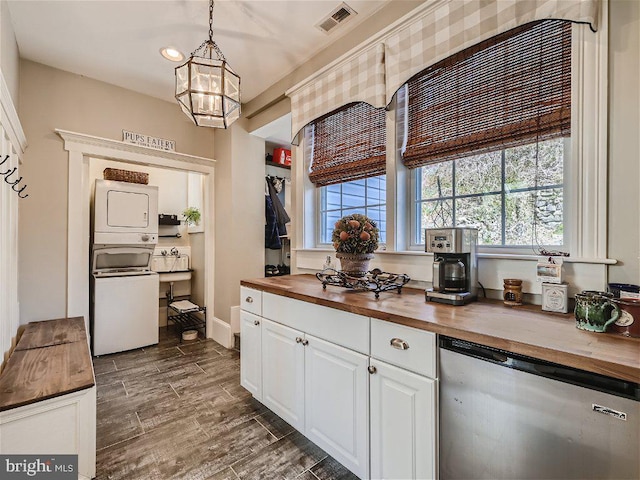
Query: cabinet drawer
(251, 300)
(404, 347)
(337, 326)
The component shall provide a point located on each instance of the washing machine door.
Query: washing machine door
(110, 260)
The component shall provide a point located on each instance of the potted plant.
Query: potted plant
(355, 238)
(191, 216)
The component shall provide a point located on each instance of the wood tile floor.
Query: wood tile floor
(177, 411)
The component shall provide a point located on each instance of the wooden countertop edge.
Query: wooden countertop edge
(583, 362)
(4, 408)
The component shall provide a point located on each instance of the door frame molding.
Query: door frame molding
(82, 148)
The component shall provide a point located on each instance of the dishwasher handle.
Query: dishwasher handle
(474, 350)
(543, 368)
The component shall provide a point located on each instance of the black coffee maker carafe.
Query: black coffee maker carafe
(449, 274)
(454, 264)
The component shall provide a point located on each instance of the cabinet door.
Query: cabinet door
(337, 403)
(283, 372)
(251, 353)
(403, 424)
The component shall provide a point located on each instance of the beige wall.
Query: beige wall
(50, 99)
(624, 141)
(197, 265)
(268, 99)
(239, 213)
(9, 58)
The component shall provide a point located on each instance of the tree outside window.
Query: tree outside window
(514, 196)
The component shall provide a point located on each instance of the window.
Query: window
(366, 196)
(514, 197)
(484, 139)
(347, 163)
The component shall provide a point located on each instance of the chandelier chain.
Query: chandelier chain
(208, 47)
(211, 21)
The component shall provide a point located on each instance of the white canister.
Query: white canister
(555, 297)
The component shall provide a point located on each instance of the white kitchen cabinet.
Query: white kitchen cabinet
(347, 329)
(315, 365)
(251, 348)
(403, 423)
(283, 372)
(337, 402)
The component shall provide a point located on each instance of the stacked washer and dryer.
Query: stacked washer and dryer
(124, 289)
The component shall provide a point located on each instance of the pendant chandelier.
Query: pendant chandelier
(207, 89)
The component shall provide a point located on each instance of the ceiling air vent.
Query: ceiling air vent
(339, 15)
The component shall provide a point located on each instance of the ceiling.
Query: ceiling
(119, 41)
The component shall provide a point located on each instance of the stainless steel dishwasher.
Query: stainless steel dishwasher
(507, 416)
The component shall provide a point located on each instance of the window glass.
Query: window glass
(479, 174)
(366, 196)
(514, 197)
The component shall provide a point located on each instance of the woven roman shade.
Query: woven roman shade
(348, 144)
(506, 91)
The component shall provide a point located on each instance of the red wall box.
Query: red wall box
(282, 156)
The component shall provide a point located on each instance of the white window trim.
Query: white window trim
(585, 190)
(587, 185)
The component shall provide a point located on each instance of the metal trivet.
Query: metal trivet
(374, 281)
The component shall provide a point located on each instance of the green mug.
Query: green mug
(595, 312)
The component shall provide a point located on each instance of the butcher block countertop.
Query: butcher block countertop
(51, 359)
(526, 330)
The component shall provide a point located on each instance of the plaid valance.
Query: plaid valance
(360, 79)
(437, 31)
(452, 26)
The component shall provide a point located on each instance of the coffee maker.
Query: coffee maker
(455, 275)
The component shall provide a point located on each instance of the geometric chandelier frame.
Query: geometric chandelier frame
(207, 88)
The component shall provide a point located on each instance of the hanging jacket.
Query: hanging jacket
(281, 214)
(271, 233)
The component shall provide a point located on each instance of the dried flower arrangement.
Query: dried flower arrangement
(355, 234)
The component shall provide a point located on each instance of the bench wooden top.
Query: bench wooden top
(53, 360)
(52, 332)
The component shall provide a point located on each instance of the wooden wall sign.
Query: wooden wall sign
(148, 141)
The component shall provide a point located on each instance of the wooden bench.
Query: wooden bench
(48, 394)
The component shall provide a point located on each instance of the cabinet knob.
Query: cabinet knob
(305, 342)
(399, 344)
(298, 339)
(372, 369)
(256, 322)
(248, 300)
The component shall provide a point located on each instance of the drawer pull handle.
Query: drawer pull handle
(256, 322)
(372, 369)
(298, 339)
(305, 342)
(399, 344)
(248, 300)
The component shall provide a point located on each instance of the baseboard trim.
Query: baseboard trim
(221, 333)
